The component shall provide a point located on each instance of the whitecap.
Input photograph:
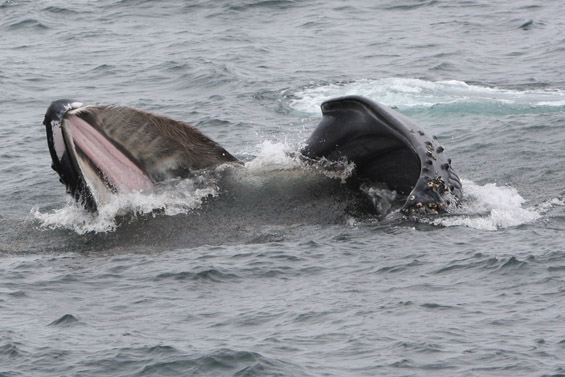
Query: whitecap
(406, 93)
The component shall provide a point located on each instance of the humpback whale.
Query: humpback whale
(98, 150)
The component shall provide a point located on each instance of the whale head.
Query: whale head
(386, 147)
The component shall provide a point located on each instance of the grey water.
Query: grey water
(277, 269)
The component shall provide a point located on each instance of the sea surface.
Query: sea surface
(276, 269)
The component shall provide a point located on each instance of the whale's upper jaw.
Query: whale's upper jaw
(386, 147)
(63, 162)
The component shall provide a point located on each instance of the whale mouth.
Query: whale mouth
(89, 163)
(99, 151)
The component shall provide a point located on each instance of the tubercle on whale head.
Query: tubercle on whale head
(438, 187)
(432, 197)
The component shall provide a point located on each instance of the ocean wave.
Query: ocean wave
(485, 262)
(28, 25)
(169, 360)
(210, 275)
(451, 95)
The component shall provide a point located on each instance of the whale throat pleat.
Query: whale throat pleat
(160, 146)
(117, 169)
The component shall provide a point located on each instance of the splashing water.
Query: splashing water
(170, 198)
(486, 207)
(173, 198)
(273, 155)
(490, 207)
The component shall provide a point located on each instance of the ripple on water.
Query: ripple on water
(65, 321)
(170, 361)
(211, 275)
(508, 265)
(29, 25)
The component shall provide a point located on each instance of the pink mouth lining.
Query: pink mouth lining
(119, 170)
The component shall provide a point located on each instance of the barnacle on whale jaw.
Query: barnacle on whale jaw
(430, 197)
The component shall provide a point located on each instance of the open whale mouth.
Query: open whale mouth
(102, 150)
(99, 151)
(88, 162)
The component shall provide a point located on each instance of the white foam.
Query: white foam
(272, 156)
(174, 198)
(490, 207)
(551, 103)
(547, 206)
(408, 93)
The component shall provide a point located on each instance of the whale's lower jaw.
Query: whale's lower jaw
(389, 148)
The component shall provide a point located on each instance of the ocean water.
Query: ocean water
(276, 269)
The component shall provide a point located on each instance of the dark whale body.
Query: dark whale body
(386, 147)
(100, 150)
